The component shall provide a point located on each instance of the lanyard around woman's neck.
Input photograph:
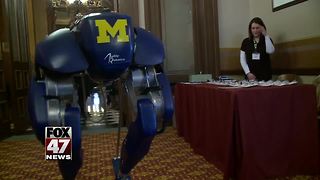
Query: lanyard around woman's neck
(255, 43)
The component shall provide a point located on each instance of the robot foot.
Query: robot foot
(116, 169)
(124, 177)
(69, 169)
(116, 165)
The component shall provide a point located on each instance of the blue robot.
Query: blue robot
(107, 47)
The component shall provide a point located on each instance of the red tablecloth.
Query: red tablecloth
(251, 133)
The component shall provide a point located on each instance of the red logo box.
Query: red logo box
(58, 143)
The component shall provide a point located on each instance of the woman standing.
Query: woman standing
(255, 50)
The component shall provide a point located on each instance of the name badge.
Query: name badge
(255, 56)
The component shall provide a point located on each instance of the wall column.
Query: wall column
(206, 36)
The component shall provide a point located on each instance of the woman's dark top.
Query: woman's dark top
(260, 68)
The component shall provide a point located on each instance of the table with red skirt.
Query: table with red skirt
(251, 133)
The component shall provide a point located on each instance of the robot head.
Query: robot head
(107, 41)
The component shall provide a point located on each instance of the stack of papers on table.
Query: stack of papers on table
(246, 84)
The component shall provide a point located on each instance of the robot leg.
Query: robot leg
(69, 169)
(138, 140)
(39, 104)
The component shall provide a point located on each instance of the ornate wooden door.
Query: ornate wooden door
(14, 67)
(4, 94)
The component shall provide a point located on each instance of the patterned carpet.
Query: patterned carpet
(25, 160)
(22, 158)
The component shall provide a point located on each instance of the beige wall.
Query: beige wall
(297, 22)
(233, 22)
(178, 36)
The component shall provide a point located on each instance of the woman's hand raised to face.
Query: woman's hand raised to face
(263, 30)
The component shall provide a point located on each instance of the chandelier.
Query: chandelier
(67, 3)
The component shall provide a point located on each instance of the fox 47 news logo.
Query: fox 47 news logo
(58, 143)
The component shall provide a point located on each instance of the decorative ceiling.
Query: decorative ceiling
(62, 12)
(67, 3)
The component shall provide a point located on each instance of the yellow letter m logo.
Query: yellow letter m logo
(106, 30)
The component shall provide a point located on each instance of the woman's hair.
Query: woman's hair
(256, 20)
